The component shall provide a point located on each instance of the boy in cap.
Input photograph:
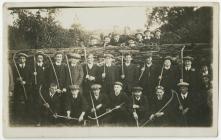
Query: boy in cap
(148, 76)
(22, 84)
(157, 37)
(100, 102)
(118, 99)
(51, 105)
(106, 41)
(190, 106)
(129, 74)
(166, 116)
(91, 74)
(169, 76)
(115, 41)
(139, 38)
(110, 74)
(76, 105)
(147, 37)
(140, 104)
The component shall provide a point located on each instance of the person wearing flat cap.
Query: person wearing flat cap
(157, 37)
(100, 101)
(20, 105)
(39, 78)
(140, 105)
(190, 106)
(166, 116)
(139, 38)
(118, 99)
(169, 76)
(76, 105)
(106, 41)
(115, 40)
(129, 73)
(190, 74)
(76, 70)
(91, 74)
(148, 76)
(109, 74)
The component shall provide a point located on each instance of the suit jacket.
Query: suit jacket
(54, 101)
(76, 106)
(77, 75)
(191, 77)
(112, 75)
(103, 99)
(131, 76)
(26, 76)
(62, 75)
(144, 110)
(148, 80)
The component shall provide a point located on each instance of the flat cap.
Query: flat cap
(118, 83)
(149, 54)
(74, 55)
(159, 87)
(58, 52)
(22, 54)
(74, 87)
(39, 53)
(137, 88)
(147, 30)
(108, 56)
(188, 58)
(183, 84)
(138, 33)
(168, 58)
(95, 86)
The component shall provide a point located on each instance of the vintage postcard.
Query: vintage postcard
(104, 69)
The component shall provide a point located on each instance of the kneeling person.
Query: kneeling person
(76, 105)
(98, 103)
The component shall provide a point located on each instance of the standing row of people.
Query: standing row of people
(70, 91)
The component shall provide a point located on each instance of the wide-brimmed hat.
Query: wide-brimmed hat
(183, 84)
(118, 83)
(22, 54)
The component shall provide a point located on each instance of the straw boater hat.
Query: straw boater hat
(183, 84)
(168, 58)
(147, 30)
(40, 53)
(95, 86)
(58, 52)
(108, 56)
(74, 87)
(22, 54)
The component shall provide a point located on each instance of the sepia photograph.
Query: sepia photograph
(109, 69)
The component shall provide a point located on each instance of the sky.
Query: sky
(102, 18)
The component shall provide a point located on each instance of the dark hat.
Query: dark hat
(188, 58)
(74, 87)
(95, 86)
(58, 52)
(22, 54)
(159, 87)
(138, 33)
(137, 89)
(39, 53)
(74, 55)
(147, 30)
(118, 83)
(149, 54)
(168, 58)
(108, 55)
(183, 84)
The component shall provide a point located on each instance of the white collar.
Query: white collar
(137, 98)
(127, 64)
(51, 95)
(184, 96)
(40, 64)
(90, 65)
(167, 68)
(187, 67)
(149, 65)
(96, 97)
(116, 94)
(75, 96)
(206, 73)
(22, 65)
(73, 65)
(58, 63)
(108, 65)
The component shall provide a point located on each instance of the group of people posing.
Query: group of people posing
(75, 94)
